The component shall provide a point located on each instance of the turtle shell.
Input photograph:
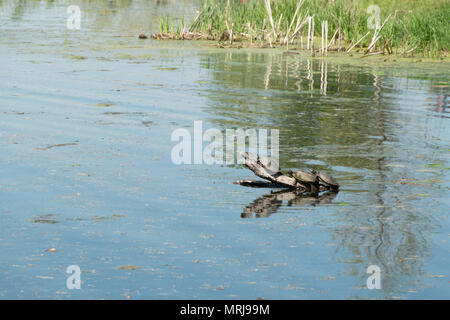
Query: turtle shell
(270, 164)
(327, 179)
(304, 176)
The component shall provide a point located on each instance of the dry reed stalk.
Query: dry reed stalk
(339, 37)
(411, 50)
(321, 38)
(332, 41)
(269, 12)
(278, 27)
(230, 32)
(195, 21)
(299, 27)
(300, 3)
(312, 36)
(357, 42)
(376, 33)
(323, 49)
(309, 33)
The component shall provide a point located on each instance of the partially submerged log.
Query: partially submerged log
(252, 162)
(276, 179)
(258, 184)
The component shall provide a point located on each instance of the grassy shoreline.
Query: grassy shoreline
(408, 27)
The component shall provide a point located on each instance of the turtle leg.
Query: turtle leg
(302, 187)
(314, 188)
(334, 189)
(324, 186)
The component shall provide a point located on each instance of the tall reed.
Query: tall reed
(419, 28)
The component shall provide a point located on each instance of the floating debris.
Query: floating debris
(59, 145)
(44, 219)
(130, 267)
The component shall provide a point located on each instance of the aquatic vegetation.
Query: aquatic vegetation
(130, 267)
(410, 27)
(128, 56)
(105, 104)
(166, 68)
(77, 57)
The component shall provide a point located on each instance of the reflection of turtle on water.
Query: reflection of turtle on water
(270, 203)
(309, 182)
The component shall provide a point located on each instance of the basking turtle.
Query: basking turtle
(328, 180)
(271, 165)
(309, 180)
(304, 176)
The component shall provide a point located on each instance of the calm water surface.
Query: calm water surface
(86, 118)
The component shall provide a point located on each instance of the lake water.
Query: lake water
(86, 176)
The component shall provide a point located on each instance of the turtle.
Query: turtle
(328, 180)
(304, 176)
(308, 180)
(270, 164)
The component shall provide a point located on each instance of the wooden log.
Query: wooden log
(275, 180)
(259, 184)
(278, 179)
(252, 162)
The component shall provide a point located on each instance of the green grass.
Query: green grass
(418, 25)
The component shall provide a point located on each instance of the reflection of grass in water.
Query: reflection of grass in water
(413, 24)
